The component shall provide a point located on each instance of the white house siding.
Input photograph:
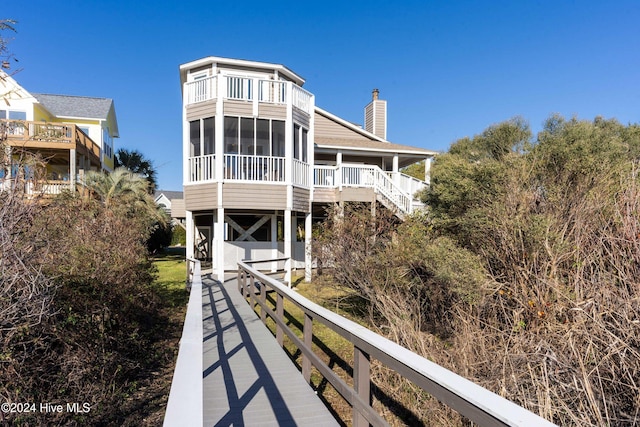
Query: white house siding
(201, 196)
(254, 196)
(201, 110)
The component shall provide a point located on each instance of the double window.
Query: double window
(202, 137)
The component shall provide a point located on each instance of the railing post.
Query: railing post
(308, 339)
(263, 299)
(240, 282)
(279, 316)
(361, 383)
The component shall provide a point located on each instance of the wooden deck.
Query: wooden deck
(248, 380)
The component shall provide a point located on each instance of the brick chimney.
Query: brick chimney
(375, 116)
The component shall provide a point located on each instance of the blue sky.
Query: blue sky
(447, 69)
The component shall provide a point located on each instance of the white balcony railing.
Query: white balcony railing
(253, 168)
(246, 89)
(300, 173)
(202, 168)
(201, 90)
(302, 99)
(324, 176)
(272, 91)
(408, 183)
(367, 176)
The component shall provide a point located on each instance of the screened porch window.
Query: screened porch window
(254, 137)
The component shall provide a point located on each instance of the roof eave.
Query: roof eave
(299, 80)
(391, 150)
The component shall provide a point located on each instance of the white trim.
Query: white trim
(243, 63)
(392, 149)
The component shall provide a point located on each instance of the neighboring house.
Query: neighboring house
(173, 204)
(262, 162)
(72, 134)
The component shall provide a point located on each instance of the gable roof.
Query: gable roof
(171, 195)
(76, 106)
(332, 132)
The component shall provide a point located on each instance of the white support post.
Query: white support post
(307, 247)
(190, 234)
(219, 131)
(287, 246)
(288, 154)
(338, 175)
(218, 262)
(427, 170)
(72, 168)
(256, 95)
(185, 142)
(396, 169)
(274, 242)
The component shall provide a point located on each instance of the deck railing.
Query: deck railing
(472, 401)
(302, 99)
(33, 187)
(300, 173)
(410, 184)
(254, 168)
(245, 89)
(201, 90)
(272, 91)
(21, 132)
(324, 176)
(368, 176)
(202, 168)
(185, 404)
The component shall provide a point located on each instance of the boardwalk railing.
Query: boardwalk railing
(472, 401)
(184, 407)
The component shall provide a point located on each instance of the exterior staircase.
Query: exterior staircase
(394, 190)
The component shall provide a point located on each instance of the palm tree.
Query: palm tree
(135, 162)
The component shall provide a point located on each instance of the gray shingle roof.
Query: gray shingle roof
(171, 195)
(75, 106)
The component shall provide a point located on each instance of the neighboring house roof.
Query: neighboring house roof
(168, 194)
(78, 107)
(332, 132)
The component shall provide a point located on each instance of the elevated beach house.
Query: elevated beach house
(262, 162)
(71, 134)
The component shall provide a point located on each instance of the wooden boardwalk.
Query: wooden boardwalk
(248, 380)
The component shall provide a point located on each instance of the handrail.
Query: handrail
(471, 400)
(370, 176)
(185, 398)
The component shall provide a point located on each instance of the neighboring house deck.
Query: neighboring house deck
(70, 135)
(262, 162)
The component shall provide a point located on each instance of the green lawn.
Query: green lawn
(172, 273)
